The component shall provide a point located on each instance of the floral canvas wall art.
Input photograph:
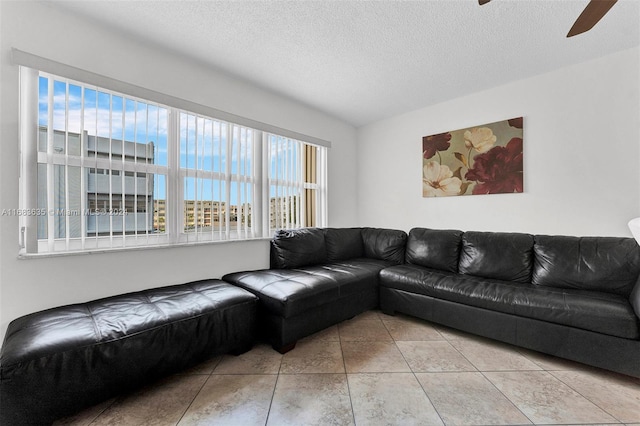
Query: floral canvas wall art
(477, 160)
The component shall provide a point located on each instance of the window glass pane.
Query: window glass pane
(160, 141)
(43, 101)
(141, 123)
(144, 204)
(235, 150)
(206, 154)
(187, 141)
(117, 127)
(42, 201)
(59, 201)
(183, 140)
(241, 204)
(219, 212)
(42, 139)
(190, 205)
(204, 209)
(59, 105)
(75, 109)
(103, 128)
(90, 107)
(74, 144)
(129, 120)
(74, 208)
(159, 203)
(219, 147)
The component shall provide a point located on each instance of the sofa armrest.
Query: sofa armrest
(634, 298)
(295, 248)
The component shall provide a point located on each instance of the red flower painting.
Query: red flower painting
(485, 159)
(499, 170)
(515, 122)
(434, 143)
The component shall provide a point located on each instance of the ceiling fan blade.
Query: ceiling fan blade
(590, 16)
(483, 2)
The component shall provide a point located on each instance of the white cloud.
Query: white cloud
(102, 122)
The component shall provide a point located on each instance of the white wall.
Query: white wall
(581, 156)
(35, 284)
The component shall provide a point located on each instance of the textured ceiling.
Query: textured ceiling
(363, 61)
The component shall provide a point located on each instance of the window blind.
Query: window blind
(105, 170)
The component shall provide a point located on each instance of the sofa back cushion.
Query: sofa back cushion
(434, 248)
(497, 255)
(384, 244)
(298, 247)
(609, 264)
(343, 243)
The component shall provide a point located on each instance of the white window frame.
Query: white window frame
(258, 180)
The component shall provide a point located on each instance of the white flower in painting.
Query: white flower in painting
(481, 139)
(438, 180)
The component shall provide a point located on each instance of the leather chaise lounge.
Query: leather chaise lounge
(319, 277)
(56, 362)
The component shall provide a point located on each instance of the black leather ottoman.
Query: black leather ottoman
(57, 361)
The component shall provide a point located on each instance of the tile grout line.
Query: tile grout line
(463, 356)
(503, 394)
(493, 384)
(416, 377)
(273, 393)
(102, 412)
(197, 393)
(477, 370)
(346, 376)
(585, 397)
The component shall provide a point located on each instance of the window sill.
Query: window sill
(30, 256)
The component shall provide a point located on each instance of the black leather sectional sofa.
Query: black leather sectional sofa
(577, 298)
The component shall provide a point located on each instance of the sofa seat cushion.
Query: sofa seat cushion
(288, 292)
(594, 311)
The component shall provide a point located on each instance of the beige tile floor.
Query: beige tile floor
(380, 370)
